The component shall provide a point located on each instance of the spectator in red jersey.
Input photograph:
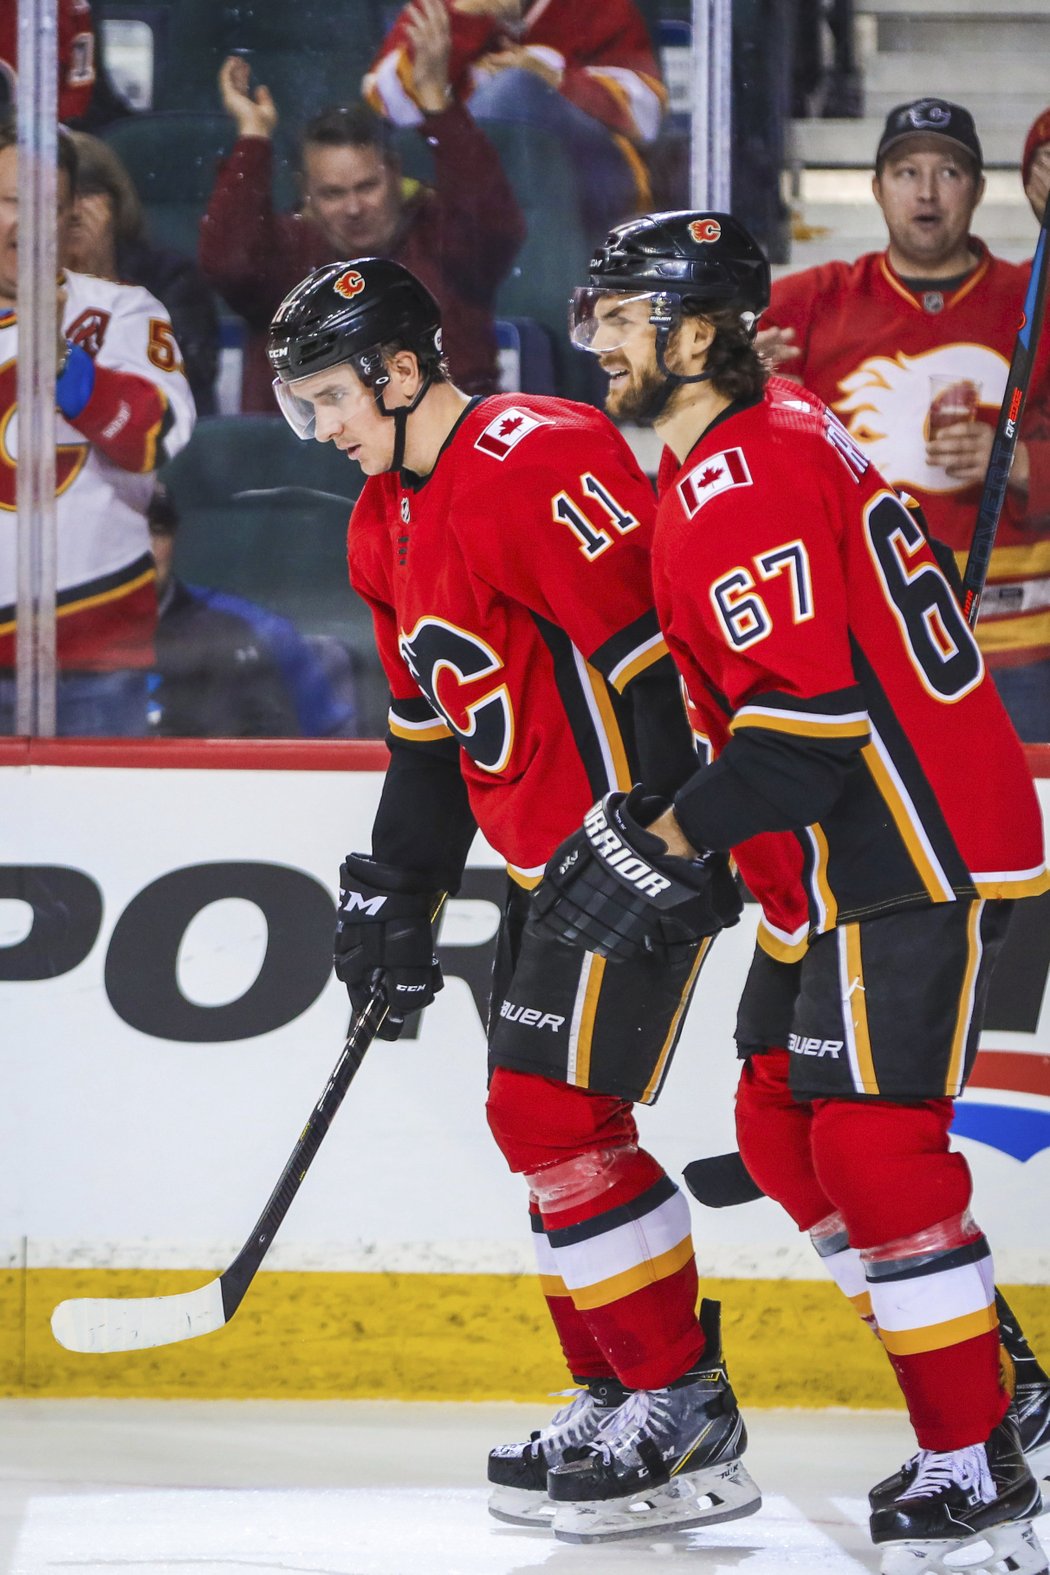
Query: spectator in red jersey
(76, 56)
(459, 238)
(586, 71)
(911, 348)
(1035, 164)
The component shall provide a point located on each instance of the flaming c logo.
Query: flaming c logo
(704, 231)
(349, 284)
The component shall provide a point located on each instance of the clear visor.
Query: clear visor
(601, 320)
(299, 413)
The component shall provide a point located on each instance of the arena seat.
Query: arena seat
(171, 158)
(554, 256)
(526, 356)
(310, 55)
(264, 516)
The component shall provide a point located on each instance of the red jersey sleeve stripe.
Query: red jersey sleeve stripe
(636, 661)
(422, 732)
(803, 724)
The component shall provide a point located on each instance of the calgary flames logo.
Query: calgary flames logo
(885, 407)
(704, 231)
(349, 284)
(70, 458)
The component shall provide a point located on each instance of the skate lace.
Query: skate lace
(571, 1425)
(642, 1415)
(963, 1468)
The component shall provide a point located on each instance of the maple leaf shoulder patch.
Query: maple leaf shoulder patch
(505, 431)
(717, 473)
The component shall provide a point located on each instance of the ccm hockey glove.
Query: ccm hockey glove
(384, 935)
(613, 888)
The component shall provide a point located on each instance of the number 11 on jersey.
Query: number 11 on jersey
(593, 539)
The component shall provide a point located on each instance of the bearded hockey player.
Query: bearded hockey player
(861, 762)
(503, 547)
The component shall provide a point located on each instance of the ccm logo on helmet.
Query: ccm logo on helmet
(349, 284)
(705, 231)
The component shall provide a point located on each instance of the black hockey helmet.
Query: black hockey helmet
(678, 260)
(347, 312)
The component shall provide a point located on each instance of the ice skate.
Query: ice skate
(967, 1512)
(1031, 1402)
(666, 1460)
(1030, 1408)
(518, 1472)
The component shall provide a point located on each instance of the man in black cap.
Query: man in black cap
(910, 347)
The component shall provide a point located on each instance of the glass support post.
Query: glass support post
(712, 104)
(35, 664)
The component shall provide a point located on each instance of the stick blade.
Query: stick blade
(94, 1325)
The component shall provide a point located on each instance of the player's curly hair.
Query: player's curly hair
(737, 370)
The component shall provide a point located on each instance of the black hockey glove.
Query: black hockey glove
(613, 888)
(384, 935)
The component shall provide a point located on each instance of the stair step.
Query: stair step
(909, 75)
(1020, 36)
(963, 9)
(993, 112)
(853, 186)
(852, 143)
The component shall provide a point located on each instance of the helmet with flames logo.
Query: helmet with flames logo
(347, 312)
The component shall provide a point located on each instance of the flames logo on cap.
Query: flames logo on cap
(929, 113)
(349, 284)
(704, 231)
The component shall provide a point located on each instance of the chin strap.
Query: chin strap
(399, 416)
(665, 316)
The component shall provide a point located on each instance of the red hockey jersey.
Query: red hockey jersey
(869, 349)
(601, 53)
(76, 54)
(513, 608)
(828, 663)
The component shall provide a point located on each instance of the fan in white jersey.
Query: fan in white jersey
(124, 406)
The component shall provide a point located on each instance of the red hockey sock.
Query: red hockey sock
(584, 1357)
(627, 1258)
(617, 1228)
(954, 1396)
(904, 1196)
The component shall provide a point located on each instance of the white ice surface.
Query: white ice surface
(227, 1488)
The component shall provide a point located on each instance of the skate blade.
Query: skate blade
(519, 1507)
(1004, 1550)
(701, 1498)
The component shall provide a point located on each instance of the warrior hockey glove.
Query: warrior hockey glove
(384, 936)
(613, 888)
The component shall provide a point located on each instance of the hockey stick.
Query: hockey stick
(133, 1323)
(721, 1181)
(1005, 441)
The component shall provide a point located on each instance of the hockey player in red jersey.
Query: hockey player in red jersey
(861, 762)
(503, 547)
